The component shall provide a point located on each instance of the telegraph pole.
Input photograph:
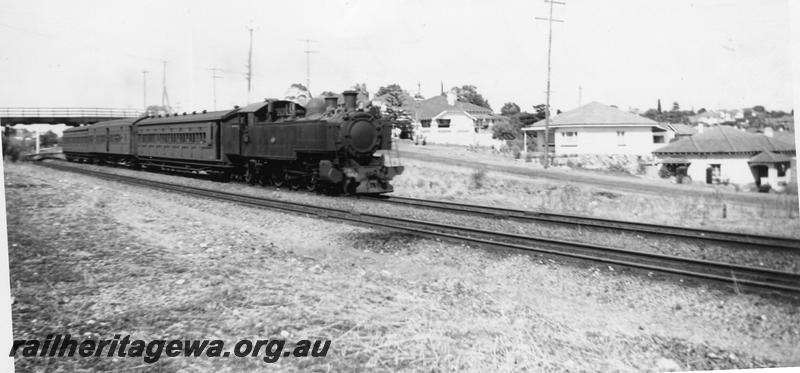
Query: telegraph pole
(308, 52)
(249, 69)
(164, 95)
(144, 89)
(550, 21)
(580, 95)
(214, 78)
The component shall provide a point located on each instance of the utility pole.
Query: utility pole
(249, 69)
(214, 78)
(580, 95)
(164, 95)
(144, 89)
(550, 21)
(308, 52)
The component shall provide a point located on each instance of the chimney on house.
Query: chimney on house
(451, 98)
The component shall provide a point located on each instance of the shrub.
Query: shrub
(12, 149)
(478, 178)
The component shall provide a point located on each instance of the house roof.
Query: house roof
(595, 114)
(432, 107)
(725, 139)
(769, 157)
(682, 129)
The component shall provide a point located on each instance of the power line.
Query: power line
(214, 78)
(144, 88)
(550, 21)
(164, 95)
(308, 52)
(249, 66)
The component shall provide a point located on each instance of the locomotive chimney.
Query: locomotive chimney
(349, 100)
(331, 102)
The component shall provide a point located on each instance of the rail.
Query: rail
(739, 276)
(738, 238)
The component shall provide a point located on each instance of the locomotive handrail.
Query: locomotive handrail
(67, 112)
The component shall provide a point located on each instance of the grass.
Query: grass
(779, 217)
(113, 259)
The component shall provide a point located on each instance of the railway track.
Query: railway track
(741, 277)
(759, 241)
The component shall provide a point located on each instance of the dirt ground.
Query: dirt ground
(97, 258)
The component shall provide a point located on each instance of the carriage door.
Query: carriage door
(230, 136)
(108, 138)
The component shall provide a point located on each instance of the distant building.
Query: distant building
(596, 128)
(724, 154)
(678, 131)
(444, 120)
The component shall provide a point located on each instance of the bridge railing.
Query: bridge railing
(67, 112)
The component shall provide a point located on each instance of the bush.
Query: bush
(478, 178)
(12, 149)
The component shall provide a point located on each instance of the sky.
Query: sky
(629, 53)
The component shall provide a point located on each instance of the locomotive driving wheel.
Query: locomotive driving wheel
(311, 182)
(295, 182)
(278, 177)
(263, 178)
(250, 174)
(349, 186)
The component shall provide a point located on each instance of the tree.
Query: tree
(298, 92)
(759, 109)
(393, 94)
(505, 130)
(541, 112)
(469, 93)
(48, 139)
(509, 109)
(361, 89)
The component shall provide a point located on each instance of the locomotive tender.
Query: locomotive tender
(277, 142)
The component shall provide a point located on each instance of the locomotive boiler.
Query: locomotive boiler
(323, 145)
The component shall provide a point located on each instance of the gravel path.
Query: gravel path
(96, 258)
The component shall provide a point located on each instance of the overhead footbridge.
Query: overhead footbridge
(70, 116)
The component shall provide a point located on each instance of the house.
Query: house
(714, 117)
(596, 128)
(444, 120)
(724, 154)
(678, 131)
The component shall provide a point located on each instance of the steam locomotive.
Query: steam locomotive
(320, 146)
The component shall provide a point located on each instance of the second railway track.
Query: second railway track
(737, 275)
(586, 221)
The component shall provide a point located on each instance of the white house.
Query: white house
(595, 128)
(444, 120)
(725, 154)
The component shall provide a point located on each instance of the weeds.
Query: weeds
(478, 178)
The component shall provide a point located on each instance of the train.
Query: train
(320, 146)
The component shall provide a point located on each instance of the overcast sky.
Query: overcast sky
(629, 53)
